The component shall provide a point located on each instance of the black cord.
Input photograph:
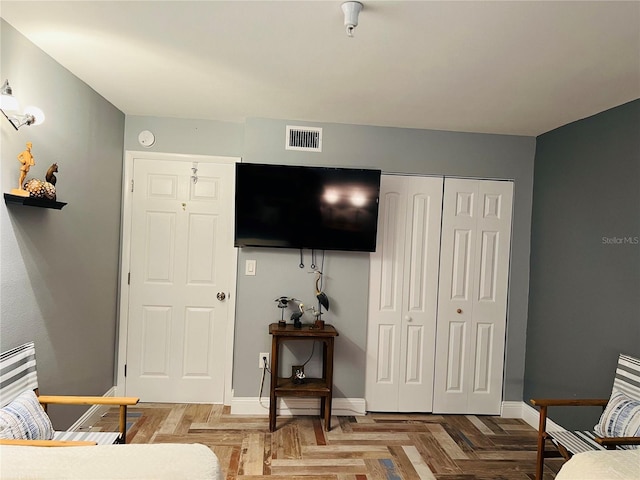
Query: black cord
(322, 272)
(301, 260)
(310, 356)
(262, 382)
(264, 373)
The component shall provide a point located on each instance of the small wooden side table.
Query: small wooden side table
(312, 387)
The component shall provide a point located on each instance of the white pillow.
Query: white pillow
(621, 418)
(25, 419)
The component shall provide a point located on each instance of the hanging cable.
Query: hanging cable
(264, 373)
(301, 260)
(322, 271)
(310, 356)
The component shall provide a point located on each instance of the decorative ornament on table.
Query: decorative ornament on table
(317, 314)
(298, 375)
(283, 302)
(295, 316)
(323, 301)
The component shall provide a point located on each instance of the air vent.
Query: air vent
(307, 139)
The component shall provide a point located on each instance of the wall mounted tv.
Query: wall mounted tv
(306, 207)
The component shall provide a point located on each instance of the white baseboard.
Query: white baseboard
(511, 409)
(532, 417)
(527, 413)
(92, 415)
(357, 406)
(311, 406)
(297, 406)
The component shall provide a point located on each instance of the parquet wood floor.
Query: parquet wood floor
(372, 447)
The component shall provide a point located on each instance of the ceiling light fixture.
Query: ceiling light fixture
(9, 103)
(351, 11)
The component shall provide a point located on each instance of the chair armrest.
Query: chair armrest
(79, 400)
(569, 402)
(47, 443)
(614, 441)
(122, 402)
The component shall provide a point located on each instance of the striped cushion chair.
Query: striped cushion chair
(23, 422)
(619, 425)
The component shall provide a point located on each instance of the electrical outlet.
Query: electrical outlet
(261, 360)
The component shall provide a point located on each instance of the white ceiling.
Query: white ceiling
(515, 67)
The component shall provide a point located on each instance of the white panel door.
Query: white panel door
(181, 259)
(472, 296)
(402, 295)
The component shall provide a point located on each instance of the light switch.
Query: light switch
(250, 267)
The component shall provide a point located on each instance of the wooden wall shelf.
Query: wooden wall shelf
(33, 202)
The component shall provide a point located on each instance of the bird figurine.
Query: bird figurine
(50, 176)
(283, 302)
(320, 295)
(295, 316)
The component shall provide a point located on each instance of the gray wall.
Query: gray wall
(196, 137)
(346, 274)
(391, 150)
(584, 301)
(59, 268)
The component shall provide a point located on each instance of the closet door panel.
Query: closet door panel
(424, 213)
(386, 353)
(415, 351)
(472, 296)
(385, 300)
(460, 264)
(491, 293)
(455, 296)
(410, 222)
(456, 357)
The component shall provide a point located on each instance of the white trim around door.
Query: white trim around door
(125, 246)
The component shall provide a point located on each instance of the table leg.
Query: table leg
(328, 375)
(327, 413)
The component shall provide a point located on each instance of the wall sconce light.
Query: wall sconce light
(351, 11)
(9, 103)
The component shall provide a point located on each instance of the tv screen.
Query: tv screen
(306, 207)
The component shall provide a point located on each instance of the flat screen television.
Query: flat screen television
(306, 207)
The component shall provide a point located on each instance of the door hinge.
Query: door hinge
(132, 185)
(125, 369)
(129, 278)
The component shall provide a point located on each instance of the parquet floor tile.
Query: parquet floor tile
(378, 446)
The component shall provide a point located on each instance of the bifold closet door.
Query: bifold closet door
(402, 295)
(472, 296)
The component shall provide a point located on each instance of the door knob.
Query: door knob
(408, 318)
(459, 310)
(221, 296)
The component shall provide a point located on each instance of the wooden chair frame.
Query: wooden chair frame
(608, 443)
(27, 379)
